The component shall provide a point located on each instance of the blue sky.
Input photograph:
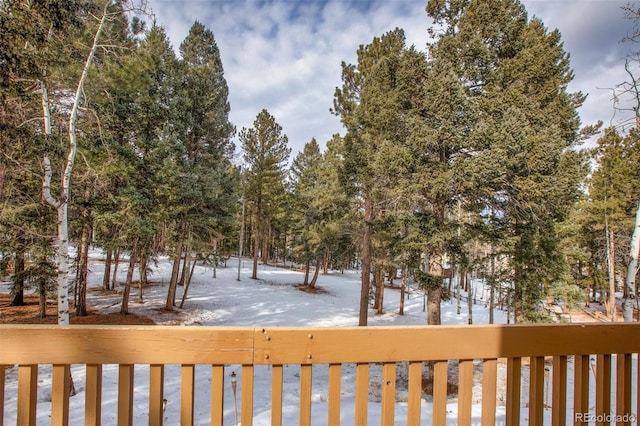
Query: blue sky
(285, 55)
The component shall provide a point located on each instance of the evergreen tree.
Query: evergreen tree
(265, 154)
(525, 165)
(370, 105)
(206, 205)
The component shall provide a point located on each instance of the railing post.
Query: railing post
(125, 394)
(27, 394)
(156, 394)
(489, 390)
(513, 390)
(61, 387)
(93, 395)
(388, 393)
(559, 400)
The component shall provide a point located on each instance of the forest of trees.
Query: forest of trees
(464, 159)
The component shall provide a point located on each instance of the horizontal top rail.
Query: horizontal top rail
(85, 344)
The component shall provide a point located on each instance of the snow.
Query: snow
(273, 300)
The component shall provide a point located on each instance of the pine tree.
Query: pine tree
(201, 125)
(265, 153)
(525, 167)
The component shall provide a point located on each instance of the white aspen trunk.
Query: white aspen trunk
(61, 204)
(632, 270)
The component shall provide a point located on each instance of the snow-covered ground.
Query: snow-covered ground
(273, 300)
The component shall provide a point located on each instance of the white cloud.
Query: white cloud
(285, 55)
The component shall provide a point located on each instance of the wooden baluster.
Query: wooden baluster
(489, 391)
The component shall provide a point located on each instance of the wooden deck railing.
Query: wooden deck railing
(567, 370)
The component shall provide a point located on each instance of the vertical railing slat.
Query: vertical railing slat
(60, 389)
(362, 394)
(415, 393)
(581, 366)
(27, 394)
(276, 395)
(246, 415)
(335, 390)
(125, 394)
(93, 395)
(305, 394)
(489, 391)
(536, 390)
(3, 369)
(388, 393)
(465, 391)
(440, 370)
(187, 387)
(156, 394)
(514, 375)
(603, 386)
(217, 395)
(623, 387)
(559, 401)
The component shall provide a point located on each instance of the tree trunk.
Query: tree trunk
(366, 261)
(434, 293)
(124, 309)
(325, 269)
(18, 280)
(107, 270)
(142, 268)
(307, 268)
(61, 204)
(116, 263)
(173, 283)
(83, 267)
(403, 283)
(187, 284)
(632, 271)
(378, 284)
(42, 292)
(256, 249)
(470, 301)
(611, 258)
(312, 284)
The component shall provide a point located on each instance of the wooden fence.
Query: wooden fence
(531, 355)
